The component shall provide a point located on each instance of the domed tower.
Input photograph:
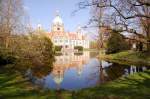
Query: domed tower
(57, 25)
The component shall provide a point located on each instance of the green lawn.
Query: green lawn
(135, 86)
(128, 57)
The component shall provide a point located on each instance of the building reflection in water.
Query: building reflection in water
(67, 61)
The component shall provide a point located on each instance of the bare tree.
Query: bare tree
(125, 16)
(10, 18)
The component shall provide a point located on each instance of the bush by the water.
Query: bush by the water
(79, 48)
(116, 43)
(6, 56)
(58, 48)
(32, 50)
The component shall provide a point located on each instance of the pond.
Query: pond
(74, 71)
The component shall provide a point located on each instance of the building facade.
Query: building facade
(68, 40)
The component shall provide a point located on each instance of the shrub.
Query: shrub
(79, 48)
(32, 50)
(116, 43)
(58, 48)
(78, 53)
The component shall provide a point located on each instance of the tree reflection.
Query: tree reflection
(59, 94)
(103, 76)
(115, 70)
(110, 71)
(41, 71)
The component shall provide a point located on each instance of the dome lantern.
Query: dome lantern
(57, 20)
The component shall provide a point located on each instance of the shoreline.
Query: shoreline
(132, 86)
(127, 58)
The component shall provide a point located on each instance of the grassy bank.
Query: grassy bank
(14, 86)
(135, 86)
(128, 57)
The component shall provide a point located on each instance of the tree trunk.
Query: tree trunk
(148, 40)
(148, 45)
(7, 42)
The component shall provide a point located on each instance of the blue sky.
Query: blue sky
(43, 12)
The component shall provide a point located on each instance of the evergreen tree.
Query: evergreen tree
(116, 43)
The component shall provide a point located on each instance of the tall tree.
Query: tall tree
(10, 18)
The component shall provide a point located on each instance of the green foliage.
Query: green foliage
(32, 50)
(58, 48)
(48, 51)
(79, 48)
(116, 43)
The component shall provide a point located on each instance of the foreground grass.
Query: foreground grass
(128, 57)
(14, 86)
(135, 86)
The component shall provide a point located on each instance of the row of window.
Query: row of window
(68, 41)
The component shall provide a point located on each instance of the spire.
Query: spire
(57, 12)
(39, 26)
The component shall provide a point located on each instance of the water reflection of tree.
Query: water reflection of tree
(93, 54)
(78, 53)
(105, 74)
(115, 70)
(43, 70)
(102, 75)
(98, 74)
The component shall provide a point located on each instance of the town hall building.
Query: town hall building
(68, 40)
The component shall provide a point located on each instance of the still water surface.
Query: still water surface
(73, 71)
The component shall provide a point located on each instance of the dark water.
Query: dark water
(73, 71)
